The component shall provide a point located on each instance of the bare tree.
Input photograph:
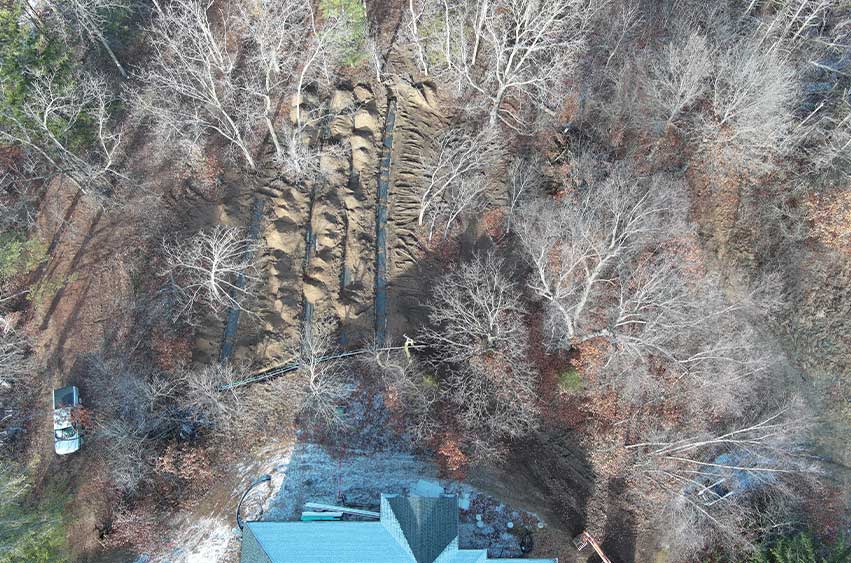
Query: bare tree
(518, 49)
(425, 27)
(53, 118)
(214, 269)
(192, 82)
(752, 96)
(14, 361)
(127, 455)
(678, 77)
(295, 49)
(493, 403)
(525, 181)
(615, 264)
(824, 136)
(476, 311)
(716, 486)
(202, 396)
(477, 333)
(408, 387)
(90, 19)
(573, 247)
(627, 20)
(458, 172)
(286, 51)
(787, 27)
(136, 407)
(322, 381)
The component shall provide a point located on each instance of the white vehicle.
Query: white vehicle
(66, 437)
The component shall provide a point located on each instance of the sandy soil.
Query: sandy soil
(332, 270)
(418, 121)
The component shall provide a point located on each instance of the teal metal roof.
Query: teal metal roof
(412, 530)
(251, 551)
(470, 556)
(324, 542)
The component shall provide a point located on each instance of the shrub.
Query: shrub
(25, 52)
(19, 255)
(570, 381)
(802, 548)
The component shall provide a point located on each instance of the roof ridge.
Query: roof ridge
(428, 525)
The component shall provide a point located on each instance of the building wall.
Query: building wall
(388, 520)
(251, 551)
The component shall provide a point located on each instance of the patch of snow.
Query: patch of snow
(312, 475)
(210, 540)
(424, 488)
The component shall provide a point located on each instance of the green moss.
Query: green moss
(46, 289)
(430, 381)
(570, 380)
(19, 255)
(435, 28)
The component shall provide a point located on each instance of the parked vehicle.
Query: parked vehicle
(66, 435)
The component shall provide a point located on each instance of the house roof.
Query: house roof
(321, 542)
(411, 530)
(428, 524)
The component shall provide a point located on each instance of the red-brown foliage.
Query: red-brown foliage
(171, 352)
(452, 461)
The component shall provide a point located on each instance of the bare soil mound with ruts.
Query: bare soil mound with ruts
(319, 238)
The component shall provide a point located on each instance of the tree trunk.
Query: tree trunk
(112, 56)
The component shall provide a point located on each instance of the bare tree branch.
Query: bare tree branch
(206, 270)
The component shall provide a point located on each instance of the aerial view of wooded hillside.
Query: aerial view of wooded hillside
(582, 265)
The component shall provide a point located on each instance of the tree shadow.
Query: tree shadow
(620, 535)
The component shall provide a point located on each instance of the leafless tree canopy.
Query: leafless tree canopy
(476, 311)
(214, 269)
(575, 246)
(722, 488)
(135, 409)
(501, 50)
(279, 31)
(458, 177)
(14, 361)
(525, 182)
(291, 51)
(477, 331)
(192, 87)
(50, 118)
(409, 388)
(90, 18)
(752, 96)
(203, 399)
(679, 77)
(321, 383)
